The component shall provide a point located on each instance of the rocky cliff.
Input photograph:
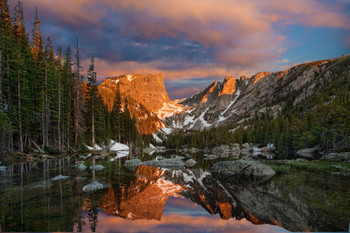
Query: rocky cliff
(236, 99)
(148, 100)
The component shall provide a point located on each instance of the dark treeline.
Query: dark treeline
(46, 102)
(323, 120)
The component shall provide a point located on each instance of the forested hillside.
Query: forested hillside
(46, 102)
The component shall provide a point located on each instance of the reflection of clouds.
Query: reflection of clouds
(181, 223)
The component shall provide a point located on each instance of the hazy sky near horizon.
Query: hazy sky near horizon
(191, 42)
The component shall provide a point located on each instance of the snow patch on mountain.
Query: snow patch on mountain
(157, 138)
(238, 92)
(169, 109)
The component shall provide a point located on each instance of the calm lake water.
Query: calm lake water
(155, 200)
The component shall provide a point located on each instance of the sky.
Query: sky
(191, 42)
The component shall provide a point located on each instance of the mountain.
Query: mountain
(148, 100)
(234, 100)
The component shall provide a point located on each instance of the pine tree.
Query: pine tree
(37, 45)
(67, 96)
(116, 116)
(92, 98)
(78, 105)
(59, 96)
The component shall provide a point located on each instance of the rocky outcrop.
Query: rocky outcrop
(146, 89)
(146, 95)
(242, 170)
(228, 86)
(173, 163)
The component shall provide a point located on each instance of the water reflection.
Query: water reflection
(155, 200)
(179, 215)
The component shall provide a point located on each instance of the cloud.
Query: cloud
(243, 34)
(185, 38)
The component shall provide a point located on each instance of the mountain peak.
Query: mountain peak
(228, 86)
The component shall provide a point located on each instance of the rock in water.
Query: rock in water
(96, 167)
(190, 163)
(172, 163)
(233, 171)
(59, 177)
(81, 167)
(132, 164)
(92, 187)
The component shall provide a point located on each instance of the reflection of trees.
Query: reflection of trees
(78, 202)
(92, 216)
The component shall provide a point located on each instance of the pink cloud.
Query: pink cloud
(243, 33)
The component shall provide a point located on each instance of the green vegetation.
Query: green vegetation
(287, 166)
(45, 102)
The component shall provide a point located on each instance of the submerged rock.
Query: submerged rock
(92, 187)
(173, 163)
(251, 171)
(97, 167)
(190, 163)
(132, 164)
(210, 157)
(59, 177)
(81, 167)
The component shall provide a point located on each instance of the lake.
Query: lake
(150, 199)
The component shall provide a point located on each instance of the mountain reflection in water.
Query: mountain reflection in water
(180, 215)
(156, 200)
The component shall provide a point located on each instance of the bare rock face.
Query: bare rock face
(146, 89)
(228, 86)
(235, 100)
(146, 95)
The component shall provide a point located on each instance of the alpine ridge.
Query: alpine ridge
(235, 100)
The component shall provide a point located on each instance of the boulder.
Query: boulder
(172, 163)
(92, 187)
(97, 167)
(132, 164)
(246, 170)
(59, 177)
(190, 163)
